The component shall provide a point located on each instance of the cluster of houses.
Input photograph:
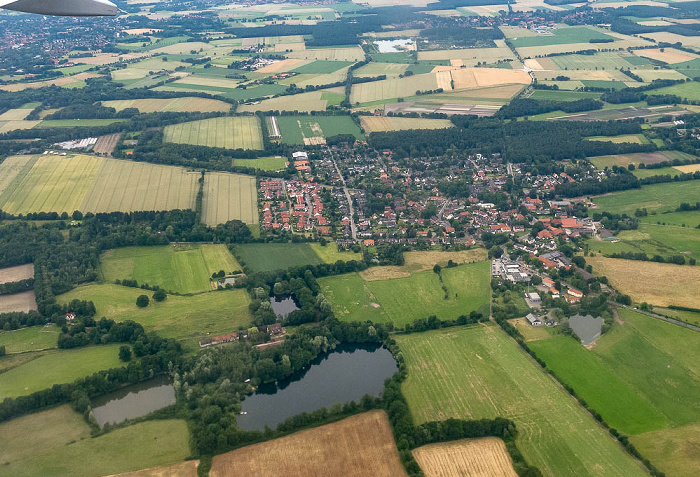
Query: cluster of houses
(274, 330)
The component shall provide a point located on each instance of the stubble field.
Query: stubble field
(479, 372)
(356, 446)
(384, 123)
(486, 456)
(241, 132)
(153, 105)
(16, 274)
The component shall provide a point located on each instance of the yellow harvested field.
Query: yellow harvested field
(419, 261)
(582, 75)
(690, 41)
(468, 56)
(92, 184)
(481, 77)
(283, 65)
(228, 197)
(484, 457)
(383, 123)
(361, 445)
(239, 132)
(25, 301)
(651, 75)
(331, 54)
(496, 93)
(15, 274)
(387, 272)
(669, 55)
(183, 469)
(393, 88)
(188, 104)
(660, 284)
(65, 81)
(7, 126)
(688, 168)
(204, 81)
(15, 114)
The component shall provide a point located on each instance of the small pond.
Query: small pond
(586, 327)
(283, 306)
(134, 401)
(390, 46)
(343, 375)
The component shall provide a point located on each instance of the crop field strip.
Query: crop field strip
(187, 104)
(228, 197)
(227, 132)
(16, 274)
(24, 301)
(383, 123)
(479, 372)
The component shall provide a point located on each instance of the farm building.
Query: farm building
(534, 320)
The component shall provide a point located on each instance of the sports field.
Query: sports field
(626, 375)
(33, 338)
(154, 105)
(655, 198)
(359, 445)
(229, 197)
(486, 456)
(57, 367)
(384, 123)
(92, 184)
(313, 130)
(57, 442)
(187, 318)
(479, 372)
(406, 298)
(240, 132)
(660, 284)
(177, 268)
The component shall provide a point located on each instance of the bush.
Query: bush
(159, 295)
(125, 353)
(142, 301)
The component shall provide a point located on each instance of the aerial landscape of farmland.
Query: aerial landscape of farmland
(450, 238)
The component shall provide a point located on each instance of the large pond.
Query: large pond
(283, 306)
(392, 46)
(346, 374)
(134, 401)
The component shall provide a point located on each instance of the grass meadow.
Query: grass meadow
(655, 198)
(625, 375)
(176, 268)
(57, 442)
(673, 451)
(92, 184)
(47, 368)
(407, 298)
(271, 163)
(241, 132)
(229, 197)
(680, 219)
(575, 34)
(479, 372)
(265, 257)
(186, 318)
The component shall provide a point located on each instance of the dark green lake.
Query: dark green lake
(134, 401)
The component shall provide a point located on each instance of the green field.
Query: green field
(57, 367)
(76, 123)
(402, 300)
(479, 372)
(688, 90)
(624, 160)
(92, 184)
(229, 197)
(266, 257)
(561, 36)
(653, 240)
(673, 451)
(689, 219)
(311, 130)
(330, 254)
(562, 95)
(176, 268)
(634, 376)
(187, 318)
(655, 198)
(34, 338)
(57, 442)
(692, 317)
(240, 132)
(271, 163)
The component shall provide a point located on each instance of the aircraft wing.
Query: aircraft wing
(71, 8)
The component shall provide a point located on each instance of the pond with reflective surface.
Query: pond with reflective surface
(134, 401)
(343, 375)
